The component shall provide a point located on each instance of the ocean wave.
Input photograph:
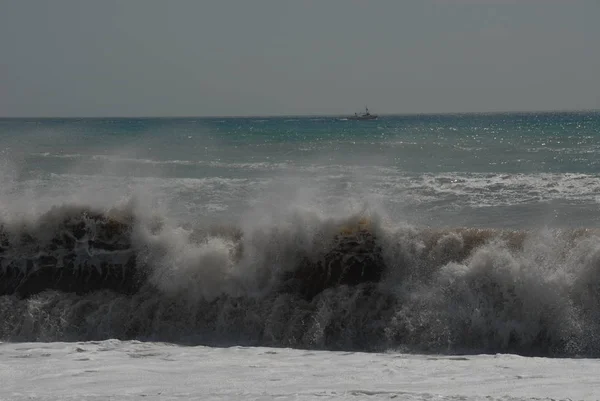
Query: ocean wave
(502, 189)
(474, 189)
(302, 280)
(267, 166)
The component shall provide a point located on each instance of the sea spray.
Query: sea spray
(311, 281)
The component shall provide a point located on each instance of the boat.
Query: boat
(363, 116)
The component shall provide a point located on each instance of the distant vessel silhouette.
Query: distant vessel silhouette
(363, 116)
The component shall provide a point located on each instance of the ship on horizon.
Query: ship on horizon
(363, 116)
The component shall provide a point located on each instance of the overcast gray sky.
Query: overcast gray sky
(259, 57)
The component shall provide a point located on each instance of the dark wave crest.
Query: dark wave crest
(79, 274)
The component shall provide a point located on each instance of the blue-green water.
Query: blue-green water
(485, 170)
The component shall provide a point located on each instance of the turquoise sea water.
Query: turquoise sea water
(484, 170)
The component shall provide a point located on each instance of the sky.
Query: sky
(77, 58)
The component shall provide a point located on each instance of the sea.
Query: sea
(451, 256)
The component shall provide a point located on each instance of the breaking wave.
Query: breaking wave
(354, 283)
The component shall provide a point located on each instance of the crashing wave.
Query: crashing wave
(80, 274)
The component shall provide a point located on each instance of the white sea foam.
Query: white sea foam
(131, 370)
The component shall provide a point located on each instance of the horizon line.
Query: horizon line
(311, 115)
